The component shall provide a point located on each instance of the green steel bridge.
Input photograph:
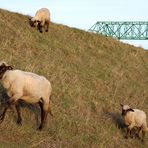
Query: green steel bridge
(122, 30)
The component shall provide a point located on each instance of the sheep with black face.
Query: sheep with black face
(134, 118)
(26, 86)
(41, 19)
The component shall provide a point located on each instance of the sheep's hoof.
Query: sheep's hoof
(1, 118)
(142, 140)
(46, 30)
(51, 114)
(19, 122)
(41, 31)
(132, 137)
(137, 136)
(126, 137)
(39, 128)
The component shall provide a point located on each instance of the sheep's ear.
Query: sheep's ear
(121, 105)
(29, 19)
(3, 64)
(131, 110)
(9, 67)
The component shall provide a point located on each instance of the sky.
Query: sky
(83, 14)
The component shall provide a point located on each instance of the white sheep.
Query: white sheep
(28, 87)
(41, 19)
(134, 118)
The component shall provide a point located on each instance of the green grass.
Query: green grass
(90, 75)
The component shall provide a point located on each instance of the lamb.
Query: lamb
(41, 19)
(26, 86)
(134, 118)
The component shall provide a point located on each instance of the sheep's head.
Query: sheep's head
(39, 26)
(125, 109)
(32, 22)
(3, 68)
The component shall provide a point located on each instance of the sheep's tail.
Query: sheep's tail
(145, 129)
(49, 107)
(50, 98)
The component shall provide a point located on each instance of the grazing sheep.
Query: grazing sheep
(28, 87)
(134, 118)
(41, 19)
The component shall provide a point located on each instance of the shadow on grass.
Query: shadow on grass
(34, 108)
(117, 120)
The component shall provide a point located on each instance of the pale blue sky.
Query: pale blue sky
(84, 13)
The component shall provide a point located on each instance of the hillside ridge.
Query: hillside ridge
(90, 75)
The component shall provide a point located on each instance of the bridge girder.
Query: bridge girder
(122, 30)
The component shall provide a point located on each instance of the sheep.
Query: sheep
(26, 86)
(134, 118)
(41, 19)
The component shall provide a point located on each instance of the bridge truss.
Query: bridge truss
(122, 30)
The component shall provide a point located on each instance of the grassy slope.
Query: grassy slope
(90, 76)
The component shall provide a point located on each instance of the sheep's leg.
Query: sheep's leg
(15, 99)
(46, 26)
(139, 131)
(143, 135)
(129, 130)
(41, 24)
(132, 133)
(45, 109)
(128, 133)
(19, 119)
(41, 106)
(11, 101)
(2, 116)
(43, 118)
(40, 27)
(44, 113)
